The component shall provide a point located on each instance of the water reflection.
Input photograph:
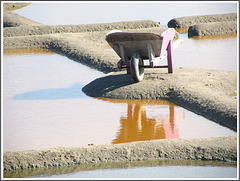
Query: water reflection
(216, 37)
(182, 30)
(27, 51)
(184, 34)
(138, 127)
(147, 120)
(39, 106)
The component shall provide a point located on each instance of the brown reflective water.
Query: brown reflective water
(27, 51)
(137, 125)
(43, 107)
(216, 37)
(144, 120)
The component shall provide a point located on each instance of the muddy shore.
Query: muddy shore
(206, 92)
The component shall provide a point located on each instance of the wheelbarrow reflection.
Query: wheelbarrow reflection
(138, 127)
(147, 120)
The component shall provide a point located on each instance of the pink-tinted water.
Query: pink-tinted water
(43, 107)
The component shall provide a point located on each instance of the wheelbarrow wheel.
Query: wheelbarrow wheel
(137, 69)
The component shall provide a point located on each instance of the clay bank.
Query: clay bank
(205, 92)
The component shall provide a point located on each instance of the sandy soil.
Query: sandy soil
(206, 92)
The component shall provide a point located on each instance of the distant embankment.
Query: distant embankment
(206, 25)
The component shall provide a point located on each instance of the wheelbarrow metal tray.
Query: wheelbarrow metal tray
(133, 42)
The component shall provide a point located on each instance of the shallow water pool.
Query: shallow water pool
(44, 106)
(157, 172)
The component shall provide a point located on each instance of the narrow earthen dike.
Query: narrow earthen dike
(206, 25)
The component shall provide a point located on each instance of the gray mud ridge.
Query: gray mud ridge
(53, 29)
(216, 28)
(214, 149)
(207, 24)
(187, 21)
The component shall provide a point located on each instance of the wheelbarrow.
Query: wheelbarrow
(134, 48)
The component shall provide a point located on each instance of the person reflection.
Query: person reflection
(138, 127)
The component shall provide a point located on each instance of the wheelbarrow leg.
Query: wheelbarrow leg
(128, 68)
(124, 59)
(169, 57)
(123, 54)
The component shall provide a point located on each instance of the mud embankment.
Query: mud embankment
(217, 28)
(215, 149)
(53, 29)
(187, 21)
(206, 25)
